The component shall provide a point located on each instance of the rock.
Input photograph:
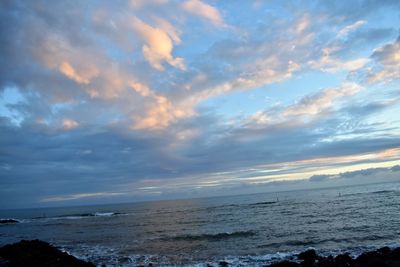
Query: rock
(384, 251)
(37, 253)
(223, 264)
(4, 221)
(285, 263)
(383, 257)
(394, 254)
(308, 257)
(343, 260)
(327, 262)
(370, 259)
(4, 262)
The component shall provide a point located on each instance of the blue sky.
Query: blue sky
(137, 100)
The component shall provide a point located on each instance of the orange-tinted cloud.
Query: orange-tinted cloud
(158, 45)
(204, 10)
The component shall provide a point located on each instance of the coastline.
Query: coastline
(40, 253)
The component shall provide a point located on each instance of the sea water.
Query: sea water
(248, 230)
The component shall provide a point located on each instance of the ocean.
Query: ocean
(250, 230)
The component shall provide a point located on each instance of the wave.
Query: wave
(77, 216)
(211, 237)
(108, 256)
(105, 213)
(371, 192)
(260, 260)
(85, 215)
(319, 242)
(190, 261)
(263, 203)
(220, 207)
(383, 191)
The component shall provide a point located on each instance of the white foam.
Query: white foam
(104, 213)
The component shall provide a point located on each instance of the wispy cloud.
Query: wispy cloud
(80, 196)
(204, 10)
(349, 28)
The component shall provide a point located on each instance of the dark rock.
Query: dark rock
(370, 259)
(4, 221)
(285, 263)
(395, 254)
(384, 251)
(4, 262)
(37, 253)
(223, 264)
(327, 262)
(383, 257)
(391, 263)
(309, 257)
(343, 260)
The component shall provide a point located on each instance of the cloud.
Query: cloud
(388, 59)
(69, 124)
(362, 176)
(319, 178)
(329, 63)
(141, 89)
(137, 4)
(71, 73)
(139, 96)
(161, 114)
(158, 44)
(204, 10)
(80, 196)
(167, 27)
(349, 28)
(309, 108)
(322, 101)
(58, 53)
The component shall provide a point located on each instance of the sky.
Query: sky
(118, 101)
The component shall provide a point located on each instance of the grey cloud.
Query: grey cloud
(319, 178)
(386, 65)
(395, 168)
(365, 175)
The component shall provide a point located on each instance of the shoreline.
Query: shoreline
(40, 253)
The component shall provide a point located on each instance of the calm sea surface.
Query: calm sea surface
(242, 230)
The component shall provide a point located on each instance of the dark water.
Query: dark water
(250, 229)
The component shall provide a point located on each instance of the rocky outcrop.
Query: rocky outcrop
(383, 257)
(37, 253)
(4, 221)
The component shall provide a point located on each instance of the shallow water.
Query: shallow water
(249, 229)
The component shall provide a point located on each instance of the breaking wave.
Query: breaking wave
(212, 237)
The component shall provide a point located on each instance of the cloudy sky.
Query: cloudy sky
(107, 101)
